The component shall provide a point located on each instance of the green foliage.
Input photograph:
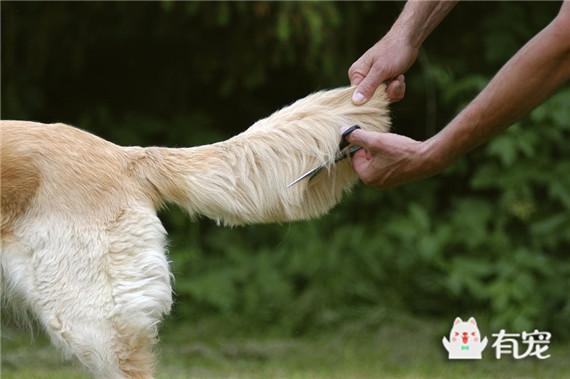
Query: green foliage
(489, 237)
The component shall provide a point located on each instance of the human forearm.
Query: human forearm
(419, 18)
(395, 53)
(528, 78)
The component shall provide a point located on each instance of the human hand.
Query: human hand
(389, 159)
(387, 60)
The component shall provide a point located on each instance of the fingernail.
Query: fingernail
(358, 98)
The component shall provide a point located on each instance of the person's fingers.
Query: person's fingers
(360, 161)
(367, 86)
(362, 138)
(396, 89)
(356, 78)
(359, 70)
(362, 166)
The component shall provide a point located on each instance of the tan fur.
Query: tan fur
(19, 181)
(82, 245)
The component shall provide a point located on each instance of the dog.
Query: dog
(82, 246)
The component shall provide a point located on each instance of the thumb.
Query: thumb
(367, 87)
(359, 70)
(362, 138)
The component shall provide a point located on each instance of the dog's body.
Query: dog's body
(82, 246)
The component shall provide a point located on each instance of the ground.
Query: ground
(403, 350)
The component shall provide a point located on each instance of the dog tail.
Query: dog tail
(245, 179)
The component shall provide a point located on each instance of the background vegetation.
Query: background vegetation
(490, 237)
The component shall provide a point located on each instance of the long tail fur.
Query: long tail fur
(244, 179)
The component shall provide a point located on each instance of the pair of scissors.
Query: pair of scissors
(345, 150)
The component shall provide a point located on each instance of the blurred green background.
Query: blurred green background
(490, 237)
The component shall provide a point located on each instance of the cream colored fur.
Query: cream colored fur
(83, 248)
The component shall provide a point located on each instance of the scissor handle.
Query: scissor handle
(343, 142)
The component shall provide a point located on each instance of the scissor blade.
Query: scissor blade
(349, 151)
(345, 153)
(345, 150)
(307, 174)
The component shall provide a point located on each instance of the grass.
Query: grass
(395, 350)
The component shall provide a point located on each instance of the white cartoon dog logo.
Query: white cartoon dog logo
(464, 340)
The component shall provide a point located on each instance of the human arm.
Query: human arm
(393, 55)
(526, 80)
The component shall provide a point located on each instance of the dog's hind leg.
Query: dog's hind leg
(55, 276)
(101, 292)
(141, 286)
